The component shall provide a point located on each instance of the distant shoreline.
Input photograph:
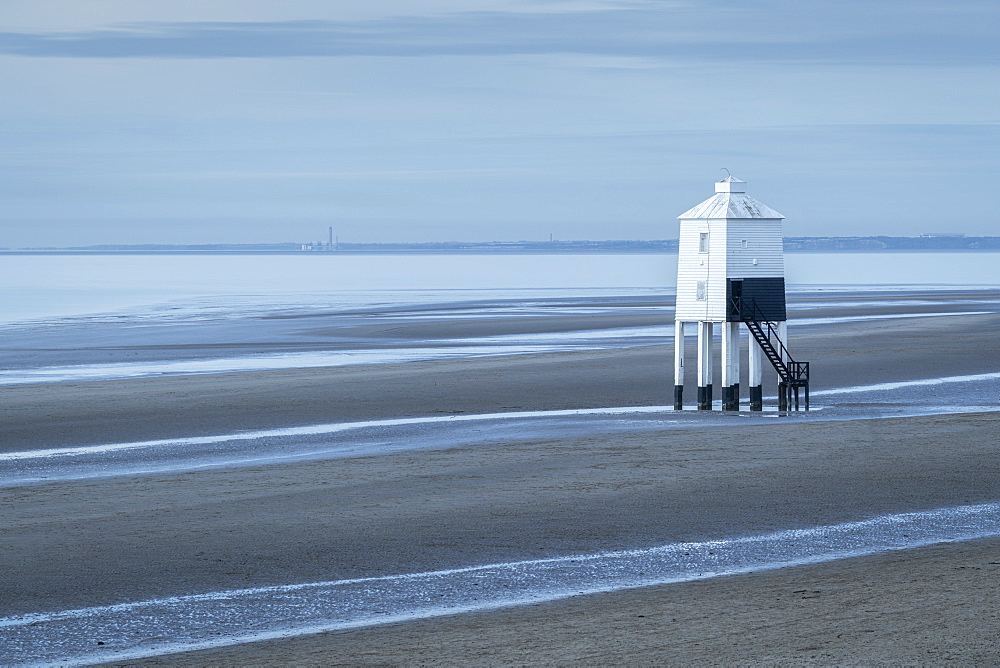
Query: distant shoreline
(922, 244)
(185, 251)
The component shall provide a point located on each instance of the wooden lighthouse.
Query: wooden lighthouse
(730, 270)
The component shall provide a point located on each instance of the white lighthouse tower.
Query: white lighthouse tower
(730, 270)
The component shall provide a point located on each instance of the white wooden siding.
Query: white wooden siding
(726, 259)
(764, 244)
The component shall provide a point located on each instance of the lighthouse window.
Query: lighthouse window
(702, 290)
(703, 242)
(745, 243)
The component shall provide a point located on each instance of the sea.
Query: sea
(90, 317)
(49, 286)
(78, 317)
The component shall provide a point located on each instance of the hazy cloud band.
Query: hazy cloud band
(667, 33)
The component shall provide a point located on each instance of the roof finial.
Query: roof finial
(728, 175)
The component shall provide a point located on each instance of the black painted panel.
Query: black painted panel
(767, 293)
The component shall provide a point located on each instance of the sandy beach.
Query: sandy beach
(427, 333)
(104, 541)
(931, 606)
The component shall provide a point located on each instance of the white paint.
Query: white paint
(783, 336)
(694, 267)
(744, 241)
(731, 201)
(730, 353)
(755, 359)
(705, 341)
(765, 256)
(678, 353)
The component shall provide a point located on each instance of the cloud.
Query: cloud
(850, 32)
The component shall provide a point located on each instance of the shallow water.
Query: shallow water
(164, 322)
(214, 619)
(94, 317)
(930, 396)
(52, 286)
(31, 368)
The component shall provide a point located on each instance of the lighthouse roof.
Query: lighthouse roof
(731, 201)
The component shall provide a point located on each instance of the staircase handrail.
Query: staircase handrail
(797, 371)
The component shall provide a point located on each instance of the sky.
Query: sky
(257, 121)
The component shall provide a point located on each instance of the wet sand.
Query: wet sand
(929, 606)
(118, 539)
(81, 413)
(101, 542)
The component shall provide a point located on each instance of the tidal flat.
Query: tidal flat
(906, 422)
